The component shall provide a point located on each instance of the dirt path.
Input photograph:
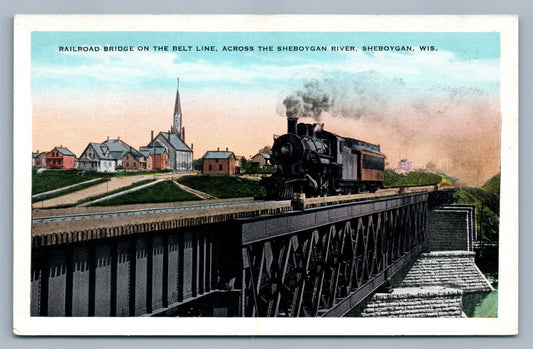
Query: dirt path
(197, 193)
(100, 189)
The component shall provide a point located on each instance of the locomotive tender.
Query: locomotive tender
(316, 162)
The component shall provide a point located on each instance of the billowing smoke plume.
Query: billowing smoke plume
(458, 129)
(311, 101)
(339, 97)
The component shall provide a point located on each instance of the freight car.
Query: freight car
(316, 162)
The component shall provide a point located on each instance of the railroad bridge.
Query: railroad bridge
(308, 257)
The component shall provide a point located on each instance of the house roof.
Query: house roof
(152, 150)
(171, 139)
(64, 151)
(264, 155)
(218, 154)
(135, 154)
(116, 145)
(101, 151)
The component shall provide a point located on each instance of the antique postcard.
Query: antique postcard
(265, 175)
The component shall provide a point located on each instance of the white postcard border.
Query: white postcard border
(505, 324)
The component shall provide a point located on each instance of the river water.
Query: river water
(482, 304)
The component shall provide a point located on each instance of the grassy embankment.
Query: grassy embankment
(224, 187)
(161, 192)
(54, 179)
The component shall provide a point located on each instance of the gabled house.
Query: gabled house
(60, 158)
(219, 162)
(117, 150)
(261, 159)
(96, 157)
(104, 157)
(133, 161)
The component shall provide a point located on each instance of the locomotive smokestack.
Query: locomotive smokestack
(291, 125)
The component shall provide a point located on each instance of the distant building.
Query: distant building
(261, 159)
(39, 160)
(179, 153)
(117, 149)
(219, 162)
(60, 158)
(156, 156)
(405, 166)
(104, 157)
(133, 161)
(96, 157)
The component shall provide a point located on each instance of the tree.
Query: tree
(246, 166)
(197, 164)
(267, 149)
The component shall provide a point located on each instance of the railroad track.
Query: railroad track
(232, 203)
(138, 212)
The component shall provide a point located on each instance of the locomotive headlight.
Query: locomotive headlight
(285, 149)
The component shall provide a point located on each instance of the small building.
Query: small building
(156, 156)
(405, 166)
(261, 160)
(133, 161)
(39, 160)
(60, 158)
(219, 162)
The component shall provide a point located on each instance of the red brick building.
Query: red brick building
(219, 162)
(157, 161)
(156, 156)
(60, 158)
(133, 161)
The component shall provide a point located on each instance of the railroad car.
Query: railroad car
(316, 162)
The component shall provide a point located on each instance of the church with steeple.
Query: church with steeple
(173, 141)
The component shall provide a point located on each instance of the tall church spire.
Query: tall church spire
(176, 126)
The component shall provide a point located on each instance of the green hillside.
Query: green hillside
(487, 202)
(393, 179)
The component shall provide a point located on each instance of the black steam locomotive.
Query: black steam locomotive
(313, 161)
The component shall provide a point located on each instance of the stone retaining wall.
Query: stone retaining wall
(451, 228)
(432, 301)
(450, 268)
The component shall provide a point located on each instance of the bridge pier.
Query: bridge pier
(434, 283)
